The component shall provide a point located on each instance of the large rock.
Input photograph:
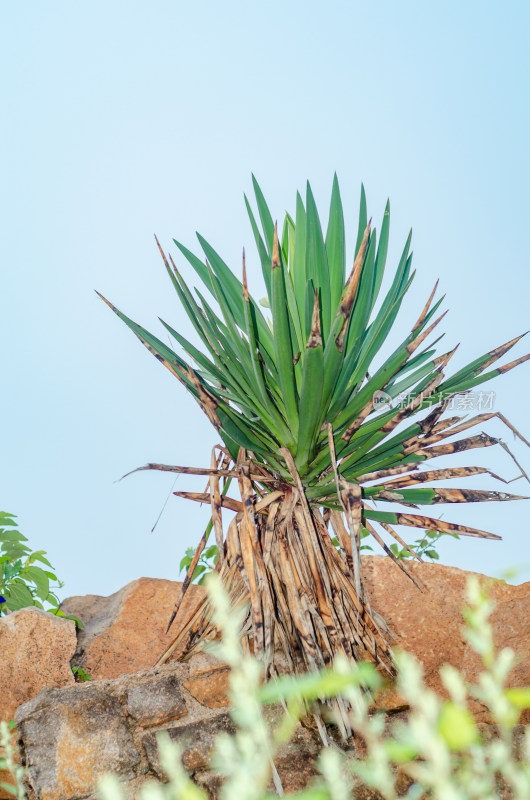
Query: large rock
(126, 632)
(35, 651)
(36, 648)
(510, 622)
(73, 737)
(70, 736)
(428, 623)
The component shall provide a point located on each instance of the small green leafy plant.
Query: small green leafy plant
(22, 582)
(424, 547)
(80, 675)
(364, 534)
(205, 565)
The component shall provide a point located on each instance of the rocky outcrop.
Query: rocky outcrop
(126, 631)
(428, 623)
(36, 648)
(70, 736)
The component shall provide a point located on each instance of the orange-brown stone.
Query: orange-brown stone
(208, 680)
(126, 632)
(72, 737)
(36, 649)
(210, 690)
(429, 623)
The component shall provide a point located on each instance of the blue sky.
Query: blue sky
(122, 119)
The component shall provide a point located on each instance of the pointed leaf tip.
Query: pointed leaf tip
(245, 284)
(162, 253)
(110, 305)
(275, 248)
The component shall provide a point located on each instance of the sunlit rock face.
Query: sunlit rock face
(70, 734)
(36, 648)
(126, 631)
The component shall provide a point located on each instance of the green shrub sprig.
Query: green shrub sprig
(23, 582)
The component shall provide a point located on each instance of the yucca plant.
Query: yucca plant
(296, 399)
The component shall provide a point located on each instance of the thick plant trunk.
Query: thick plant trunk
(305, 596)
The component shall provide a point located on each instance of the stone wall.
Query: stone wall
(70, 737)
(70, 734)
